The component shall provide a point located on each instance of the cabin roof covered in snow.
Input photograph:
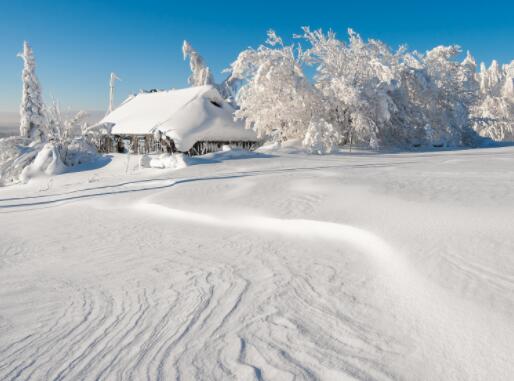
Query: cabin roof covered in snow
(186, 116)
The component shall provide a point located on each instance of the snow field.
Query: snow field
(359, 266)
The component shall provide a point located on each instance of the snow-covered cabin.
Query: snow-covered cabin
(194, 120)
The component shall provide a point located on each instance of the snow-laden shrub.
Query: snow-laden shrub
(94, 134)
(275, 99)
(22, 159)
(68, 137)
(46, 162)
(16, 153)
(498, 129)
(78, 151)
(59, 145)
(321, 137)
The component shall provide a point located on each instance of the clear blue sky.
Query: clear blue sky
(78, 43)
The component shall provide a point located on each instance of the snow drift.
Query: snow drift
(174, 161)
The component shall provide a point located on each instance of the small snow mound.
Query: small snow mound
(227, 153)
(293, 146)
(175, 161)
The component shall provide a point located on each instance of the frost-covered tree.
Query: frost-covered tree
(413, 96)
(494, 112)
(321, 137)
(468, 78)
(276, 98)
(450, 119)
(356, 80)
(32, 119)
(200, 72)
(379, 97)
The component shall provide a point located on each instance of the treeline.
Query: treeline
(365, 93)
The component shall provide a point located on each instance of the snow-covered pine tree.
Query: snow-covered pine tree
(200, 72)
(32, 118)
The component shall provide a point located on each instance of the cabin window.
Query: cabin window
(216, 103)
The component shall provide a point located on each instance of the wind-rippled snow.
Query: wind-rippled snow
(362, 266)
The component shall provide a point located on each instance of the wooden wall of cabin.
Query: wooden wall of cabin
(145, 144)
(137, 144)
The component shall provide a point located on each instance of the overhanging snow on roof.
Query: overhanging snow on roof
(186, 116)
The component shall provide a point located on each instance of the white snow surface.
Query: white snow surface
(185, 115)
(253, 266)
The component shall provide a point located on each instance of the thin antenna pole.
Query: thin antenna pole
(112, 82)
